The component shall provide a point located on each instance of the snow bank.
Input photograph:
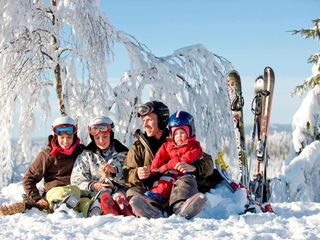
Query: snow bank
(306, 120)
(301, 178)
(219, 220)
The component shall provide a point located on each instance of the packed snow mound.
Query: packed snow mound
(306, 120)
(301, 178)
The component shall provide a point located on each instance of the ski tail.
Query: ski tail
(222, 167)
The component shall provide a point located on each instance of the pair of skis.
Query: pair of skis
(261, 107)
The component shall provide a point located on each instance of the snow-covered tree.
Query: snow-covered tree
(44, 46)
(306, 121)
(65, 46)
(314, 80)
(191, 79)
(300, 179)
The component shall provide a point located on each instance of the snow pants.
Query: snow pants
(183, 188)
(166, 182)
(59, 193)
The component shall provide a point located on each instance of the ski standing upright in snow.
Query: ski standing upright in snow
(236, 104)
(261, 107)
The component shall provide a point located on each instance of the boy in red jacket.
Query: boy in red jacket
(181, 147)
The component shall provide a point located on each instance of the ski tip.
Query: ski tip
(269, 70)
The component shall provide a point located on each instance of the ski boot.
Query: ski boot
(191, 207)
(123, 203)
(144, 207)
(71, 201)
(107, 204)
(94, 209)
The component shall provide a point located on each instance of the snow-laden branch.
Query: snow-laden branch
(191, 79)
(40, 40)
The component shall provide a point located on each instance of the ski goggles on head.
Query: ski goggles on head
(144, 109)
(64, 129)
(102, 127)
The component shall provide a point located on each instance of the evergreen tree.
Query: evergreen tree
(314, 80)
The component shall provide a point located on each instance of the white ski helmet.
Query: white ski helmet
(64, 122)
(101, 123)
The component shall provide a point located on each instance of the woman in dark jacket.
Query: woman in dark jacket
(54, 165)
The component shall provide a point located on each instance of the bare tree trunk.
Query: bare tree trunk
(57, 70)
(133, 108)
(57, 74)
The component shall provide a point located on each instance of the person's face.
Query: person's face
(150, 125)
(65, 140)
(180, 136)
(102, 140)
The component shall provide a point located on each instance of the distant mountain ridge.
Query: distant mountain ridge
(275, 127)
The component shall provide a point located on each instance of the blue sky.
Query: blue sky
(251, 35)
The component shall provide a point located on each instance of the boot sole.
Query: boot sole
(142, 208)
(193, 206)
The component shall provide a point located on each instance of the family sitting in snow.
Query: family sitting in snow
(161, 174)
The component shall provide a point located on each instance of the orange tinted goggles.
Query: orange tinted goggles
(104, 128)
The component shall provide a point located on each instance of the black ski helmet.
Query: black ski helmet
(159, 108)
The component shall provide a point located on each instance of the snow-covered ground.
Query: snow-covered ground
(219, 220)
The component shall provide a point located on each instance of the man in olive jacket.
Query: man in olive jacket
(185, 199)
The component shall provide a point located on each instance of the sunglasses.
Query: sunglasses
(144, 109)
(103, 127)
(69, 130)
